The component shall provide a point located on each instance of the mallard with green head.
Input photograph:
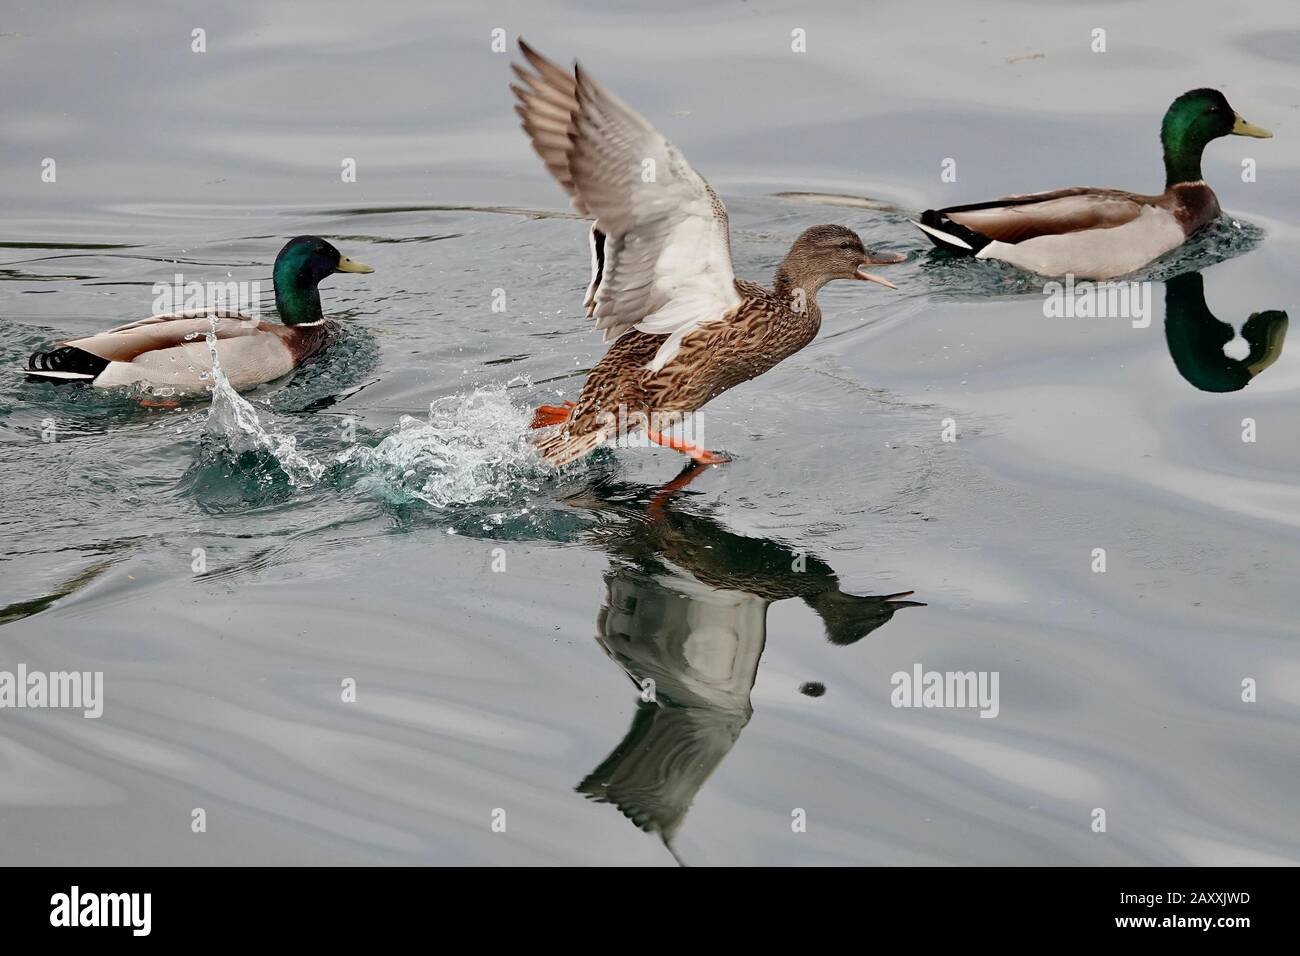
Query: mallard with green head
(1101, 233)
(171, 350)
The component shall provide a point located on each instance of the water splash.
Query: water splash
(1220, 240)
(234, 424)
(474, 449)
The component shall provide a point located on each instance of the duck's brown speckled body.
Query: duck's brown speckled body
(684, 329)
(760, 332)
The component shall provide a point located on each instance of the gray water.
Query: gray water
(497, 619)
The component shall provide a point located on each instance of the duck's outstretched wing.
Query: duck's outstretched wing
(661, 254)
(1015, 219)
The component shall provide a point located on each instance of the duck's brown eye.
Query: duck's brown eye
(844, 245)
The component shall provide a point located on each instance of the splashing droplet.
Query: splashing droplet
(234, 423)
(473, 449)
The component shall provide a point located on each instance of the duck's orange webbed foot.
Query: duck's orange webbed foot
(160, 403)
(686, 448)
(551, 415)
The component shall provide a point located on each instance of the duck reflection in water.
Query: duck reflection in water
(1196, 338)
(685, 617)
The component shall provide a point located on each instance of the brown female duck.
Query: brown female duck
(684, 328)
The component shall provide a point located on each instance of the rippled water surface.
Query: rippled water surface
(379, 518)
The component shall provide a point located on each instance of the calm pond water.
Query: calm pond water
(381, 520)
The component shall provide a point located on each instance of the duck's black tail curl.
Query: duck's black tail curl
(953, 236)
(65, 363)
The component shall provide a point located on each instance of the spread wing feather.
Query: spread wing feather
(661, 251)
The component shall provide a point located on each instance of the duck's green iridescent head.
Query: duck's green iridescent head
(1194, 119)
(299, 267)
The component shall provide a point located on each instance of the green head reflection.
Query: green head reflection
(1196, 338)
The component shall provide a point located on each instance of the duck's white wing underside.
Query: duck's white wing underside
(661, 256)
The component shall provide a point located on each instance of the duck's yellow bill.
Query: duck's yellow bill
(1242, 128)
(1273, 340)
(351, 265)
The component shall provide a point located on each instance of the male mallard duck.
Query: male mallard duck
(1101, 233)
(684, 328)
(171, 350)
